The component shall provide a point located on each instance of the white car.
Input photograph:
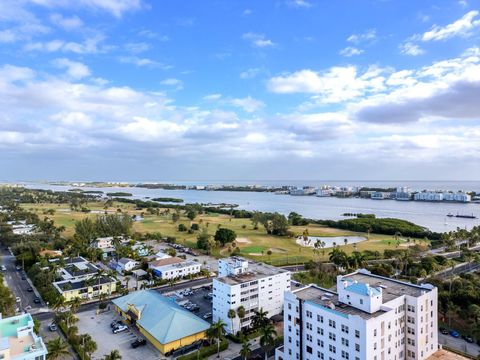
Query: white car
(119, 329)
(4, 268)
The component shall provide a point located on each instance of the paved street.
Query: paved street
(17, 285)
(459, 344)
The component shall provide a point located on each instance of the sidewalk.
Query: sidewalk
(233, 350)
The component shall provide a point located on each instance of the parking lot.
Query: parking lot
(197, 297)
(98, 326)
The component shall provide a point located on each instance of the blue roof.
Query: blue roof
(162, 317)
(363, 289)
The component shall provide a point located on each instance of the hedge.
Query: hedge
(205, 351)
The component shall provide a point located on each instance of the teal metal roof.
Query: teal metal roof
(161, 316)
(363, 289)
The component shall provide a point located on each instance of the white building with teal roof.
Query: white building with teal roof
(161, 320)
(368, 317)
(18, 341)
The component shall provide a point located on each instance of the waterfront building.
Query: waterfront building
(324, 192)
(306, 190)
(457, 197)
(381, 195)
(428, 196)
(369, 317)
(18, 341)
(403, 193)
(249, 284)
(165, 324)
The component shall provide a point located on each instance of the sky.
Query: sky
(144, 90)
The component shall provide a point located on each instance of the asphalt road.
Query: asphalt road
(459, 344)
(47, 315)
(16, 284)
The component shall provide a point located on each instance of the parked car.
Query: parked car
(36, 300)
(24, 277)
(119, 329)
(29, 289)
(467, 338)
(443, 331)
(17, 299)
(139, 342)
(52, 327)
(208, 315)
(4, 268)
(454, 334)
(18, 267)
(113, 323)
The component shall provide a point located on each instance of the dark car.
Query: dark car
(24, 277)
(36, 300)
(30, 289)
(467, 338)
(443, 331)
(139, 342)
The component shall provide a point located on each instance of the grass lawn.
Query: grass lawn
(250, 241)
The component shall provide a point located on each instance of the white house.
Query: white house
(249, 284)
(126, 264)
(369, 317)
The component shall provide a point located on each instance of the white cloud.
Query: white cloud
(143, 62)
(248, 104)
(463, 27)
(115, 7)
(368, 36)
(258, 40)
(336, 84)
(172, 82)
(411, 49)
(247, 12)
(212, 97)
(74, 70)
(90, 45)
(300, 3)
(250, 73)
(137, 47)
(350, 51)
(73, 118)
(67, 23)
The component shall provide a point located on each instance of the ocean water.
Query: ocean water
(427, 214)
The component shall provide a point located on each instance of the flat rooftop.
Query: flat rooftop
(65, 285)
(255, 271)
(446, 355)
(329, 299)
(26, 343)
(391, 289)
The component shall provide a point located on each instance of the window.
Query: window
(357, 347)
(357, 334)
(361, 301)
(331, 323)
(332, 336)
(320, 318)
(344, 342)
(345, 329)
(289, 306)
(332, 349)
(345, 355)
(309, 349)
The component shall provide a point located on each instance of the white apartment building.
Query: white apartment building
(176, 270)
(428, 196)
(249, 284)
(457, 197)
(370, 317)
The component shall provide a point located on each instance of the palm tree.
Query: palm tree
(260, 318)
(57, 348)
(71, 332)
(267, 337)
(345, 241)
(232, 315)
(88, 345)
(114, 355)
(241, 314)
(356, 260)
(217, 330)
(338, 257)
(59, 303)
(75, 304)
(246, 350)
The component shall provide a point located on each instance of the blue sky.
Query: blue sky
(199, 90)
